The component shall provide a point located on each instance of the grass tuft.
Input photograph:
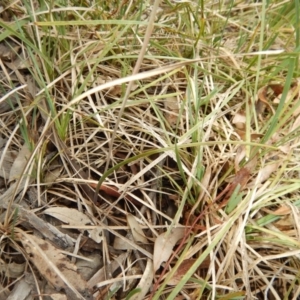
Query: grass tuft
(176, 113)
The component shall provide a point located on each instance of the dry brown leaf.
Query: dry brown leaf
(55, 267)
(253, 136)
(32, 88)
(52, 175)
(293, 92)
(241, 178)
(48, 231)
(180, 272)
(239, 120)
(136, 230)
(121, 244)
(12, 270)
(263, 101)
(184, 267)
(265, 173)
(87, 268)
(240, 155)
(21, 62)
(9, 52)
(281, 211)
(285, 223)
(113, 191)
(74, 217)
(68, 215)
(256, 136)
(277, 88)
(164, 245)
(17, 168)
(241, 133)
(251, 164)
(101, 274)
(7, 163)
(171, 110)
(286, 149)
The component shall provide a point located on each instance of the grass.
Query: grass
(177, 113)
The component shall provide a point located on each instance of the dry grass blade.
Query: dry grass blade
(143, 117)
(135, 71)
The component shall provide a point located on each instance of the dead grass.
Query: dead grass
(149, 156)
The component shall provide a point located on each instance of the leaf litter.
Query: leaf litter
(117, 243)
(164, 244)
(55, 266)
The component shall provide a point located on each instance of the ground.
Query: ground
(149, 149)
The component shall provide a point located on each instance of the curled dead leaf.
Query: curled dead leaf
(164, 244)
(239, 120)
(19, 164)
(277, 88)
(8, 52)
(293, 92)
(240, 155)
(184, 267)
(145, 282)
(262, 101)
(271, 93)
(52, 175)
(251, 164)
(265, 173)
(286, 222)
(281, 211)
(136, 230)
(241, 178)
(180, 272)
(7, 162)
(171, 110)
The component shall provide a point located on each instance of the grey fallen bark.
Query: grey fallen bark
(49, 231)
